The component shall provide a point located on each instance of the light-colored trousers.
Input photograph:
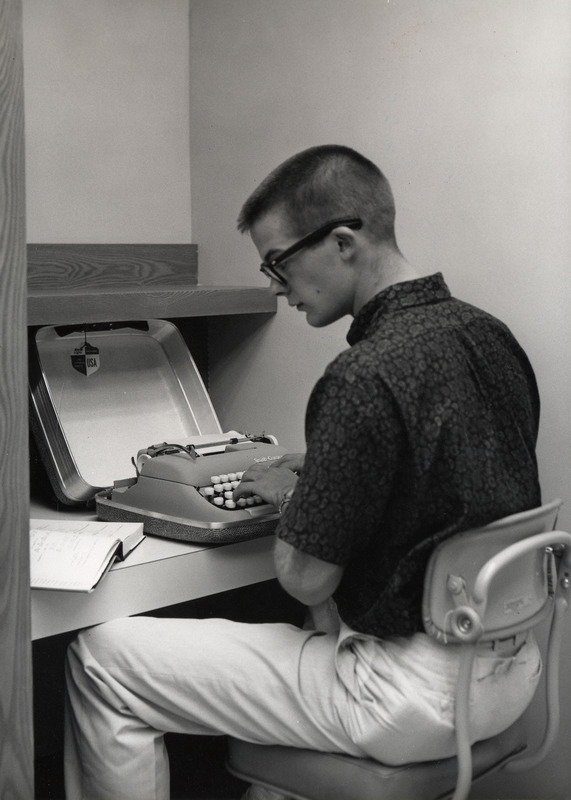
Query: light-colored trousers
(132, 680)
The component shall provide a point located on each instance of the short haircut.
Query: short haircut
(321, 184)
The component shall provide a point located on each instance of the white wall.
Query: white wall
(107, 121)
(465, 105)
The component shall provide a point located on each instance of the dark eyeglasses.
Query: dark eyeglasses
(269, 267)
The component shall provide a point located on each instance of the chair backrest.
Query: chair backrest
(491, 583)
(461, 603)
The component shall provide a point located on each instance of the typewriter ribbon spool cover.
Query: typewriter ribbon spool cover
(104, 398)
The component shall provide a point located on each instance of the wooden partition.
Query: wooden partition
(16, 739)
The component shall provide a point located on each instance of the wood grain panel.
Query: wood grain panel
(120, 304)
(54, 267)
(16, 747)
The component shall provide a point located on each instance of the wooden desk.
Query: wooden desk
(158, 573)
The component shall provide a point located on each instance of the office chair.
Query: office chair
(483, 585)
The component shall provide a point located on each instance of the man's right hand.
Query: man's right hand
(293, 461)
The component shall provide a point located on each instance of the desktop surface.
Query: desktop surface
(159, 572)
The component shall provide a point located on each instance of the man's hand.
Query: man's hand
(269, 481)
(293, 461)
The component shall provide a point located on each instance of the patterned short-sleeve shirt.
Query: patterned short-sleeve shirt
(425, 426)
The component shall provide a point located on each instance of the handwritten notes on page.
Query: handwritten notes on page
(75, 555)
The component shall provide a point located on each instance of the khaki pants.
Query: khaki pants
(131, 680)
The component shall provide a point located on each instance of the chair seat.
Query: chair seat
(311, 775)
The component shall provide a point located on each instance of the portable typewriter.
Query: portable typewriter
(184, 490)
(100, 393)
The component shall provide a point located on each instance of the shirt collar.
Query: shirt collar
(418, 292)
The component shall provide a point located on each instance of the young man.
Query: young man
(426, 425)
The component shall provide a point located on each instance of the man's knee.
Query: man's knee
(100, 641)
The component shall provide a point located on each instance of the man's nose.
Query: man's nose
(278, 288)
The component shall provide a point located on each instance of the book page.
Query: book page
(66, 560)
(128, 533)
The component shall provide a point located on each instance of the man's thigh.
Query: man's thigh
(215, 676)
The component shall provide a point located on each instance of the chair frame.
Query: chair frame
(488, 584)
(473, 597)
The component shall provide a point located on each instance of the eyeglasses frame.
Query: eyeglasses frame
(268, 267)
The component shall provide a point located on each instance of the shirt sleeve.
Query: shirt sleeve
(354, 443)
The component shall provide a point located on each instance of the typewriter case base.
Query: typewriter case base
(134, 504)
(101, 394)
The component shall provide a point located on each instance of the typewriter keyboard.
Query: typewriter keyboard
(219, 493)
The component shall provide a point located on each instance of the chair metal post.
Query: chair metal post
(462, 723)
(551, 689)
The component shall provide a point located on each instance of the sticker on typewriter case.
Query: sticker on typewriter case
(85, 359)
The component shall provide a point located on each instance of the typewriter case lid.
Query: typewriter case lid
(100, 393)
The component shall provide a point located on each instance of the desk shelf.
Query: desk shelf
(75, 284)
(73, 307)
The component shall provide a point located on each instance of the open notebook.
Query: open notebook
(73, 555)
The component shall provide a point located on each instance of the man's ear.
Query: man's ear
(346, 242)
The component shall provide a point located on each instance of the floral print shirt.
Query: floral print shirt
(424, 427)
